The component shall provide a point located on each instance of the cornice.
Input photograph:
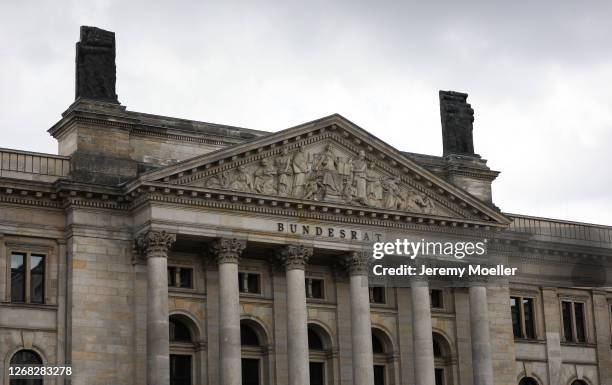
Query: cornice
(237, 202)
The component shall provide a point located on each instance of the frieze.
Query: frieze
(323, 172)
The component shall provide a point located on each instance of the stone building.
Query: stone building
(156, 250)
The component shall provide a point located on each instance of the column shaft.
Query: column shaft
(422, 334)
(481, 341)
(158, 345)
(227, 253)
(155, 245)
(297, 328)
(294, 258)
(229, 325)
(361, 331)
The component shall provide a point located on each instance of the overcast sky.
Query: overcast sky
(539, 76)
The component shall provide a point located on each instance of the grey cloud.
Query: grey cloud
(537, 73)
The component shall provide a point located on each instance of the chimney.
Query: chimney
(95, 130)
(457, 123)
(463, 167)
(95, 65)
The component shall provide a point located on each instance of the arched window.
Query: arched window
(382, 349)
(319, 346)
(579, 382)
(443, 361)
(26, 357)
(528, 381)
(184, 351)
(254, 353)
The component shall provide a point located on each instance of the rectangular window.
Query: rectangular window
(574, 321)
(249, 283)
(180, 277)
(314, 288)
(37, 278)
(523, 317)
(27, 277)
(377, 294)
(18, 277)
(437, 299)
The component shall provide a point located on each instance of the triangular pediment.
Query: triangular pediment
(328, 161)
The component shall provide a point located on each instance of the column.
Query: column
(481, 340)
(294, 258)
(422, 333)
(361, 324)
(227, 253)
(155, 246)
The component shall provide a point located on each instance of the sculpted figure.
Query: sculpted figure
(311, 189)
(424, 203)
(348, 194)
(375, 189)
(392, 193)
(265, 177)
(327, 167)
(360, 169)
(300, 170)
(218, 181)
(241, 180)
(283, 165)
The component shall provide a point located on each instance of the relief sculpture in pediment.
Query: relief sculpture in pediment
(328, 174)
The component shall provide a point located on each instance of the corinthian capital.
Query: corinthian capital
(294, 256)
(155, 243)
(357, 263)
(226, 250)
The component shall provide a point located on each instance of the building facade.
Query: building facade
(155, 250)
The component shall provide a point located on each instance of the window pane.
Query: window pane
(186, 277)
(379, 375)
(377, 294)
(529, 319)
(566, 309)
(242, 283)
(377, 345)
(26, 357)
(248, 336)
(172, 276)
(37, 278)
(250, 371)
(180, 369)
(437, 350)
(317, 288)
(179, 331)
(317, 373)
(18, 277)
(439, 375)
(516, 317)
(314, 340)
(437, 299)
(580, 332)
(253, 283)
